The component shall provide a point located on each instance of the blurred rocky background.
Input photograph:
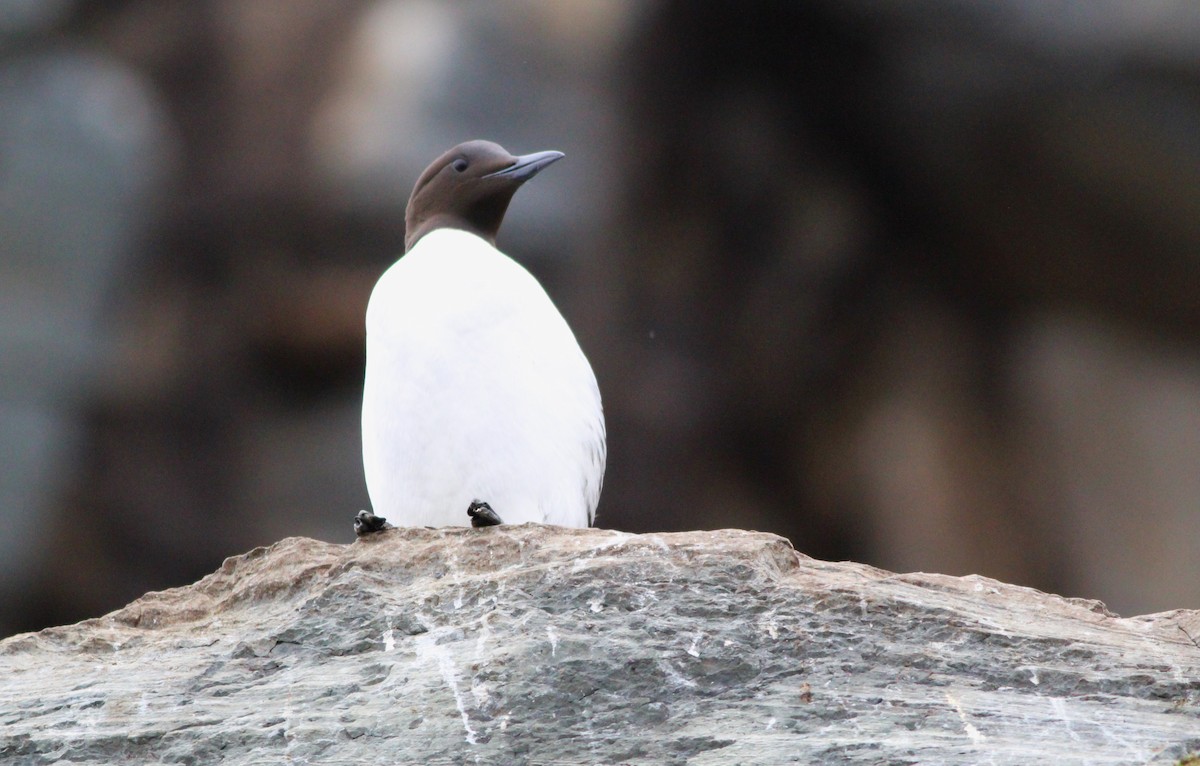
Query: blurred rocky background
(911, 283)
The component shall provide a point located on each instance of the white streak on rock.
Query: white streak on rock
(1060, 711)
(769, 625)
(675, 676)
(968, 727)
(428, 647)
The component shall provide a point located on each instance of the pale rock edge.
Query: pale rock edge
(533, 644)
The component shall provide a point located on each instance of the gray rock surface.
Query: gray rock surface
(532, 644)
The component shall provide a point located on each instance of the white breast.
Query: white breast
(476, 389)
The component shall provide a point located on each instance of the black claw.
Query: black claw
(482, 515)
(366, 522)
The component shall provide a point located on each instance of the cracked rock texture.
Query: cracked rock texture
(530, 644)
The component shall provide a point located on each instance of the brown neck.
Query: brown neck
(482, 219)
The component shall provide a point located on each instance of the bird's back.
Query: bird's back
(476, 389)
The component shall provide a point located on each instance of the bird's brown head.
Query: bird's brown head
(469, 188)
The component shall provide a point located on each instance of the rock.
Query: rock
(530, 644)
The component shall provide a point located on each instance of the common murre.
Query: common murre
(477, 395)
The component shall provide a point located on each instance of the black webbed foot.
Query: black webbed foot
(366, 523)
(482, 515)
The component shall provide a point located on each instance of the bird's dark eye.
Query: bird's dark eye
(460, 165)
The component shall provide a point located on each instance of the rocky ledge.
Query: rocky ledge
(530, 644)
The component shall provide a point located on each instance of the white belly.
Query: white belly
(476, 389)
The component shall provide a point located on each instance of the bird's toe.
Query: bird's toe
(366, 523)
(482, 515)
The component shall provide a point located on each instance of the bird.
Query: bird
(479, 406)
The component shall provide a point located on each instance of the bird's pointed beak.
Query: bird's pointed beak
(527, 166)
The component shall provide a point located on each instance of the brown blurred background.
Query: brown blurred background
(912, 283)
